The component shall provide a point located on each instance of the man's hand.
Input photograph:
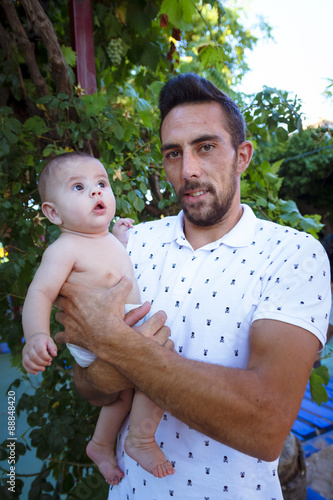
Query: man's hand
(37, 353)
(87, 314)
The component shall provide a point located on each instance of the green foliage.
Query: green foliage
(119, 124)
(307, 170)
(318, 379)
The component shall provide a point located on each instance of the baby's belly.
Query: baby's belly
(103, 281)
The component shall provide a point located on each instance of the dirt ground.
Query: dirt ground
(319, 472)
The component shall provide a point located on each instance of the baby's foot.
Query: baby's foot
(106, 461)
(146, 453)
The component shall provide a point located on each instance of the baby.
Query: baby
(77, 196)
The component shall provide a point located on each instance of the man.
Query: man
(247, 303)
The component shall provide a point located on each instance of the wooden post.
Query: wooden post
(83, 43)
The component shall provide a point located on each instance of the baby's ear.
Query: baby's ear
(50, 211)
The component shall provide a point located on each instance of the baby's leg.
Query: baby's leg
(140, 442)
(101, 448)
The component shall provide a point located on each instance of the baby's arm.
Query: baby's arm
(120, 230)
(39, 346)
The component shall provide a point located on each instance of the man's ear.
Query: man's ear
(245, 151)
(50, 211)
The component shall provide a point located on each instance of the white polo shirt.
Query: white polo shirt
(211, 297)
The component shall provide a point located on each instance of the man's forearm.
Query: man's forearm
(251, 410)
(100, 383)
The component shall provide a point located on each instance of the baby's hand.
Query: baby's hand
(37, 353)
(120, 229)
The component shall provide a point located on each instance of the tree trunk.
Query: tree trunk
(27, 47)
(44, 28)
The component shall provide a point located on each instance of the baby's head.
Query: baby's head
(76, 194)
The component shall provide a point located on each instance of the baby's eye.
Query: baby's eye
(101, 184)
(78, 187)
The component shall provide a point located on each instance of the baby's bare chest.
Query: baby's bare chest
(100, 265)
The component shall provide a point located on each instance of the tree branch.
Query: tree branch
(44, 29)
(27, 46)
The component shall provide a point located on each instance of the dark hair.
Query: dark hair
(190, 88)
(52, 165)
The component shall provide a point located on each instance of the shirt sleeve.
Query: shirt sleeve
(296, 287)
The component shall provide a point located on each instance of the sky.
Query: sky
(300, 60)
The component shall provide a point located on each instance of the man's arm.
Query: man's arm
(101, 383)
(250, 410)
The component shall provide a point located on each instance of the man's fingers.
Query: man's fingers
(153, 324)
(123, 288)
(60, 317)
(162, 336)
(133, 316)
(61, 337)
(169, 344)
(155, 329)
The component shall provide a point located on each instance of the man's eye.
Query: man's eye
(173, 154)
(207, 147)
(77, 187)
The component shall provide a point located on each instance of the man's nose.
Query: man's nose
(191, 167)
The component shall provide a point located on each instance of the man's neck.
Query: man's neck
(199, 236)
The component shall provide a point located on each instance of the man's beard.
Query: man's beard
(203, 214)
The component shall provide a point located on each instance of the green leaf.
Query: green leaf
(275, 167)
(94, 104)
(143, 105)
(36, 125)
(118, 131)
(14, 125)
(189, 10)
(318, 391)
(173, 9)
(69, 55)
(146, 118)
(11, 138)
(16, 187)
(129, 91)
(139, 204)
(282, 134)
(323, 372)
(210, 56)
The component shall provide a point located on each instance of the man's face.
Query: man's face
(200, 162)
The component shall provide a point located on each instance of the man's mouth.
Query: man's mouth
(195, 194)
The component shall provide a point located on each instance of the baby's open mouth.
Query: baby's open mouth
(99, 206)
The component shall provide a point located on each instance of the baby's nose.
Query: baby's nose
(96, 191)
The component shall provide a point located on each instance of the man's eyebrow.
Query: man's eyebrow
(202, 138)
(207, 137)
(169, 145)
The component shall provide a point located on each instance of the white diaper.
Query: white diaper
(83, 357)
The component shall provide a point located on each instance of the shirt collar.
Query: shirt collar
(241, 235)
